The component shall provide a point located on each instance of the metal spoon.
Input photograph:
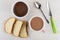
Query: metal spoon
(38, 5)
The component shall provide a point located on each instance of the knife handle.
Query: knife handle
(53, 25)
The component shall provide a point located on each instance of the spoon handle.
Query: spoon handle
(44, 16)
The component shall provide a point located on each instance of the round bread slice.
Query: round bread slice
(17, 27)
(24, 31)
(9, 25)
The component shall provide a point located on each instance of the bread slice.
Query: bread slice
(9, 25)
(17, 27)
(23, 32)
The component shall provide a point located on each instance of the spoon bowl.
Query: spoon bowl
(37, 5)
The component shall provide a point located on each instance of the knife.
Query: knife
(52, 19)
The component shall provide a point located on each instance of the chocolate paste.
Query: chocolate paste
(20, 9)
(36, 23)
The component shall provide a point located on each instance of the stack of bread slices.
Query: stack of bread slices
(16, 27)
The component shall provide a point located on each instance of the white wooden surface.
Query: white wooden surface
(6, 12)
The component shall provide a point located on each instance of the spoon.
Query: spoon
(38, 6)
